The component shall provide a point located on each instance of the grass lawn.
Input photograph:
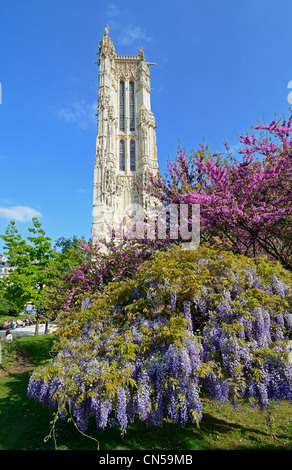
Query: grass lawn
(25, 423)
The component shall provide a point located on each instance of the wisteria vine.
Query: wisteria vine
(188, 323)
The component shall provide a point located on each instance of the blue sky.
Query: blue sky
(221, 66)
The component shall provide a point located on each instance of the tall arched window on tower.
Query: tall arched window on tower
(122, 106)
(122, 155)
(132, 106)
(132, 155)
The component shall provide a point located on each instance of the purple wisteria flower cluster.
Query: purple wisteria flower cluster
(166, 383)
(187, 324)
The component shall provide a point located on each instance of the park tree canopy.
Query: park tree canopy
(38, 266)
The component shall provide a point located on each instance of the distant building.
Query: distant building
(5, 268)
(30, 308)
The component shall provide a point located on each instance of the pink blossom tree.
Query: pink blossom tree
(246, 202)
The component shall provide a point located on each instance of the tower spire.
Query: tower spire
(106, 46)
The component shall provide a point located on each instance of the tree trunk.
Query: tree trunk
(36, 332)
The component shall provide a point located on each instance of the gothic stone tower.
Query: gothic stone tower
(126, 138)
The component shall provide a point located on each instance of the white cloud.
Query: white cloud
(131, 34)
(19, 213)
(113, 17)
(80, 113)
(112, 10)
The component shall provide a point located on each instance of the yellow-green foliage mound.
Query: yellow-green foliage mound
(189, 322)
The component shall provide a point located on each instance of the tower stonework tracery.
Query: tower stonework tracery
(126, 147)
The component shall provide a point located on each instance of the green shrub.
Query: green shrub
(8, 308)
(7, 352)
